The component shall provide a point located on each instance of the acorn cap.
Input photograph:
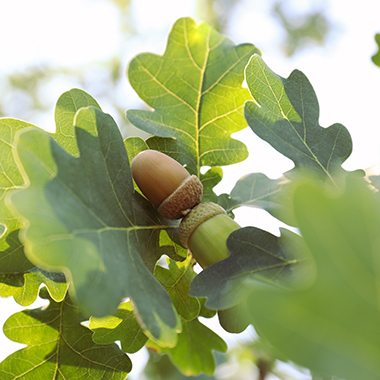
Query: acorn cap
(186, 196)
(198, 215)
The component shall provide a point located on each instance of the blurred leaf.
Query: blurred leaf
(196, 93)
(331, 327)
(24, 287)
(176, 281)
(12, 256)
(376, 57)
(122, 326)
(255, 255)
(160, 367)
(59, 347)
(88, 221)
(235, 319)
(285, 114)
(193, 353)
(301, 30)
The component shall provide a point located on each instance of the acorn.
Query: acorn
(166, 183)
(204, 231)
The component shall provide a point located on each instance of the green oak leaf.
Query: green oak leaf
(376, 57)
(285, 113)
(134, 145)
(67, 106)
(160, 367)
(209, 180)
(24, 287)
(256, 255)
(176, 281)
(122, 326)
(171, 249)
(257, 190)
(85, 219)
(332, 326)
(12, 256)
(59, 347)
(195, 91)
(193, 353)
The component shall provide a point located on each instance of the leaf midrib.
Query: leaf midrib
(312, 155)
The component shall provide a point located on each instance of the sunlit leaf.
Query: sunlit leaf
(59, 347)
(122, 326)
(193, 353)
(85, 219)
(12, 256)
(24, 287)
(196, 94)
(67, 106)
(332, 326)
(176, 281)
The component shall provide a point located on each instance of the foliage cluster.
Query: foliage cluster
(76, 231)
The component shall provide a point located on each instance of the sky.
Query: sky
(80, 32)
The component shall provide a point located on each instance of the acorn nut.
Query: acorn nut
(204, 231)
(166, 183)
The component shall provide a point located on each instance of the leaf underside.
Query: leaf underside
(59, 347)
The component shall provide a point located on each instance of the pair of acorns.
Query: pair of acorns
(205, 227)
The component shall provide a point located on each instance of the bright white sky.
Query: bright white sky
(347, 83)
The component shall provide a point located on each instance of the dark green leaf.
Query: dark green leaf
(376, 57)
(331, 326)
(285, 113)
(196, 93)
(122, 326)
(59, 347)
(257, 190)
(255, 255)
(85, 219)
(193, 353)
(176, 281)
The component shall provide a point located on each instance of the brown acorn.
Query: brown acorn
(166, 183)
